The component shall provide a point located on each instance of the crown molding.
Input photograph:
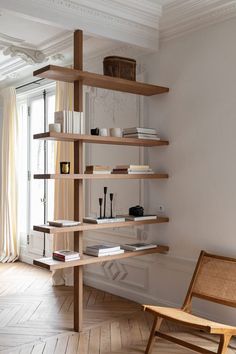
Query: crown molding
(183, 16)
(135, 22)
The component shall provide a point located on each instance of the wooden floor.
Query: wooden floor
(38, 318)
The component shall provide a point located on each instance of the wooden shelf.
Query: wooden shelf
(95, 80)
(86, 226)
(95, 139)
(101, 176)
(52, 264)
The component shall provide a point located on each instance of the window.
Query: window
(36, 197)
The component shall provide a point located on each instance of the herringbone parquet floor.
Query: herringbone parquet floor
(38, 318)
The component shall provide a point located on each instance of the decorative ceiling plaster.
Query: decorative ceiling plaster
(183, 16)
(30, 56)
(135, 22)
(34, 31)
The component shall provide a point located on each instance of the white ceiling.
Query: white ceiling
(35, 32)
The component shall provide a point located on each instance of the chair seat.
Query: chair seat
(187, 319)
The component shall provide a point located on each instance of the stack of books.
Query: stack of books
(63, 223)
(140, 133)
(71, 121)
(140, 218)
(103, 250)
(103, 220)
(133, 169)
(65, 255)
(138, 246)
(98, 170)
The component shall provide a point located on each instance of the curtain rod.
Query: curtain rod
(29, 83)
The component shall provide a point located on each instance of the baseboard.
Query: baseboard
(126, 293)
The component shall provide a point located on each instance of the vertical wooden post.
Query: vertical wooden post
(78, 186)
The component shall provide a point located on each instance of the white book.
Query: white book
(105, 254)
(60, 117)
(98, 172)
(140, 218)
(103, 221)
(66, 255)
(63, 223)
(138, 246)
(140, 130)
(142, 137)
(82, 123)
(103, 248)
(140, 172)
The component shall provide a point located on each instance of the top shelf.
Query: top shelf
(58, 73)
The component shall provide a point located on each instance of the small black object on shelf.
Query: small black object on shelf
(136, 210)
(100, 207)
(105, 197)
(111, 200)
(94, 131)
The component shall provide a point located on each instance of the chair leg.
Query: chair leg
(224, 342)
(155, 327)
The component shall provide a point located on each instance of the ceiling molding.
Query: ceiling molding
(135, 22)
(30, 56)
(184, 16)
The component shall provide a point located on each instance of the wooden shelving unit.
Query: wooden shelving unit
(80, 78)
(101, 176)
(87, 227)
(94, 139)
(95, 80)
(52, 264)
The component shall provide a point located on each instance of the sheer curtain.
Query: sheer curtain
(64, 189)
(9, 233)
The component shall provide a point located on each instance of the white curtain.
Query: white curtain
(64, 189)
(9, 233)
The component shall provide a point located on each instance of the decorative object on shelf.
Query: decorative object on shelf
(103, 220)
(71, 121)
(116, 132)
(94, 131)
(103, 250)
(105, 201)
(136, 210)
(98, 170)
(138, 246)
(132, 169)
(100, 207)
(65, 255)
(55, 127)
(111, 200)
(103, 132)
(140, 218)
(65, 167)
(63, 223)
(124, 68)
(141, 133)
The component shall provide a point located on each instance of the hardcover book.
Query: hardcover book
(65, 255)
(103, 248)
(102, 221)
(138, 246)
(63, 223)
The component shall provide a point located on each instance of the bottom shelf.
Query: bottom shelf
(52, 264)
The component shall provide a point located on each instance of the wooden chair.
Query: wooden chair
(214, 279)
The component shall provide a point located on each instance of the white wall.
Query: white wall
(198, 116)
(1, 118)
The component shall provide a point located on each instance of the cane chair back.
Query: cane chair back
(214, 280)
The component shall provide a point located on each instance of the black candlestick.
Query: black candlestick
(111, 199)
(100, 207)
(105, 197)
